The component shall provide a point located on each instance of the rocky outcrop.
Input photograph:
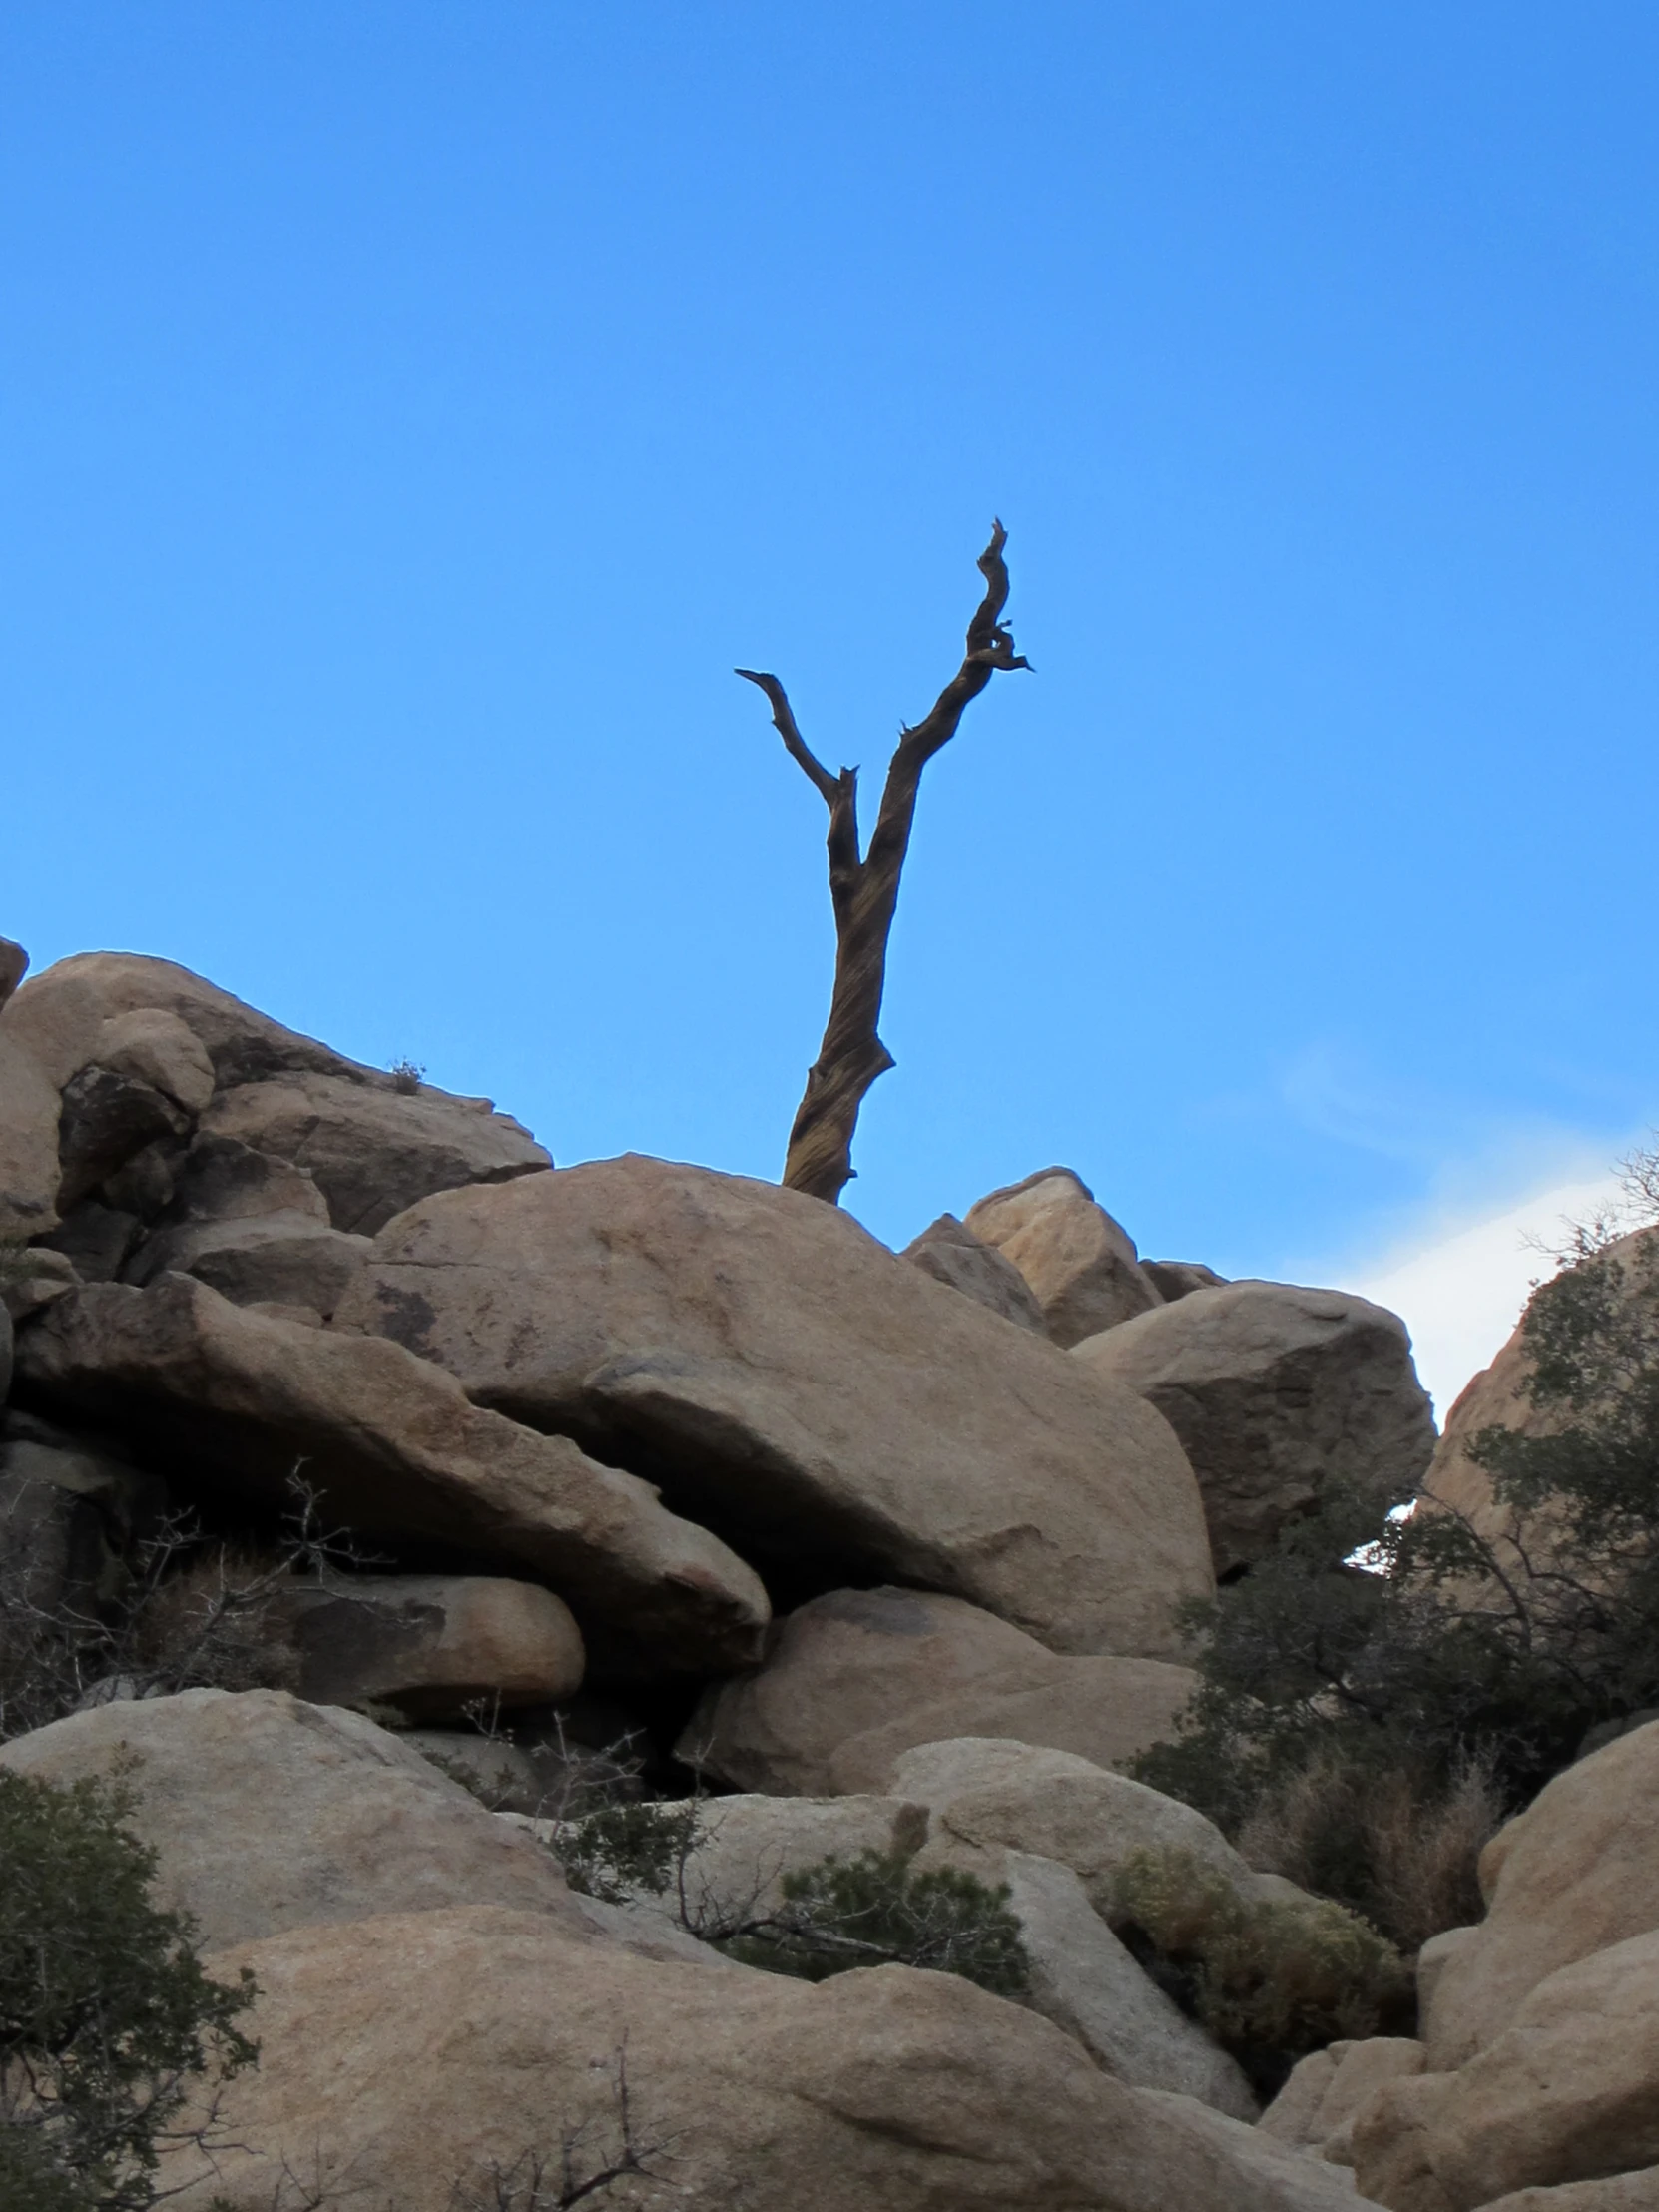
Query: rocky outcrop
(423, 2048)
(1329, 2090)
(391, 1443)
(987, 1796)
(143, 1053)
(802, 1391)
(951, 1253)
(430, 1645)
(856, 1677)
(374, 1151)
(1568, 2091)
(266, 1813)
(1081, 1264)
(1577, 1871)
(1274, 1391)
(60, 1017)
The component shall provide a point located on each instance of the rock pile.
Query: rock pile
(893, 1544)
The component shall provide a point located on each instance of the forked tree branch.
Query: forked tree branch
(865, 889)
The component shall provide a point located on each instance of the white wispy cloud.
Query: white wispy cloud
(1460, 1287)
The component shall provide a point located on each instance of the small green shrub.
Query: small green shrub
(622, 1849)
(876, 1911)
(105, 2013)
(1270, 1980)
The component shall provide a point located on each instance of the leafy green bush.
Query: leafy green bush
(106, 2014)
(621, 1849)
(1270, 1979)
(875, 1910)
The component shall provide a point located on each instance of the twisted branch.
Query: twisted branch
(863, 891)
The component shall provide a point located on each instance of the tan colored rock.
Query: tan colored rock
(992, 1797)
(746, 1845)
(1082, 1977)
(60, 1016)
(395, 1449)
(374, 1151)
(1274, 1391)
(856, 1678)
(1084, 1981)
(952, 1254)
(417, 2051)
(266, 1813)
(1574, 1873)
(1570, 2092)
(28, 1109)
(1616, 2193)
(1329, 2090)
(1081, 1264)
(808, 1395)
(160, 1049)
(431, 1644)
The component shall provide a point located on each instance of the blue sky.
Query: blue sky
(412, 413)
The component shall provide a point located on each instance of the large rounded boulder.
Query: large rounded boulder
(825, 1408)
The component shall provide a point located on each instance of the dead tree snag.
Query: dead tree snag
(865, 892)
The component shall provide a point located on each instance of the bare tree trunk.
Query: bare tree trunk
(865, 892)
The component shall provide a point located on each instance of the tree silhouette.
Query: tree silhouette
(864, 890)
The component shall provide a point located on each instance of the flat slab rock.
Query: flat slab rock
(795, 1386)
(415, 2051)
(396, 1447)
(856, 1678)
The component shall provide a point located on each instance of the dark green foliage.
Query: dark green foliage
(105, 2012)
(876, 1911)
(1270, 1982)
(1456, 1651)
(625, 1847)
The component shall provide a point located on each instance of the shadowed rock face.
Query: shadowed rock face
(395, 1448)
(798, 1388)
(951, 1253)
(1274, 1391)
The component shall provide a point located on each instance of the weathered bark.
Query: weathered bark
(865, 892)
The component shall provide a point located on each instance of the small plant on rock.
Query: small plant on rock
(1270, 1979)
(877, 1910)
(621, 1849)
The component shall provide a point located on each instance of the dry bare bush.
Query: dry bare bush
(1387, 1840)
(193, 1614)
